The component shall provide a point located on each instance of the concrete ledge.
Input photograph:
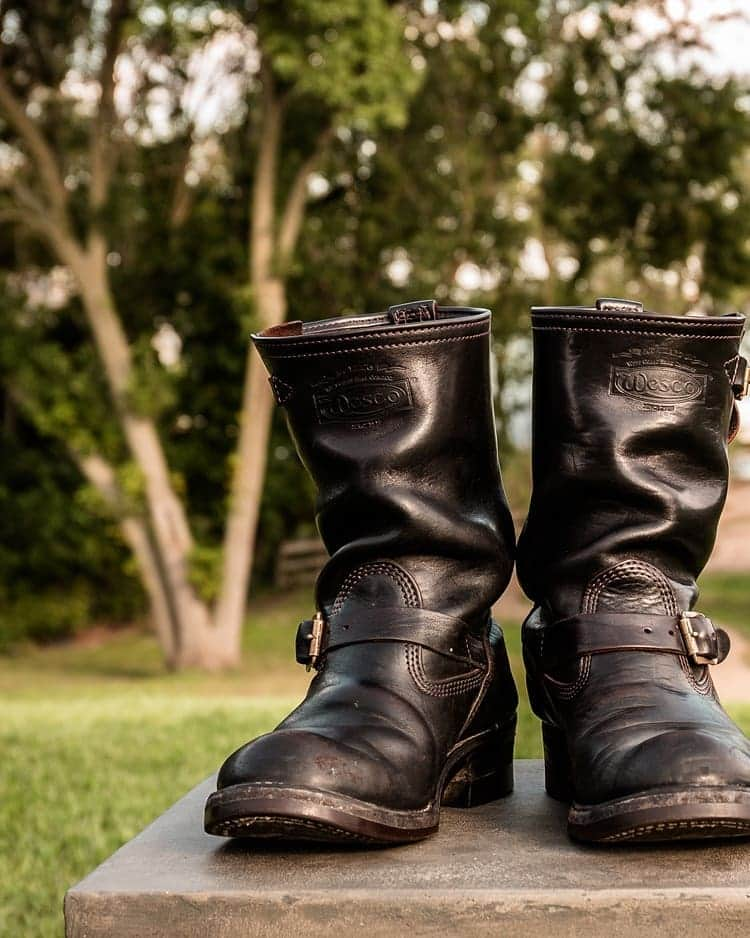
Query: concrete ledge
(503, 869)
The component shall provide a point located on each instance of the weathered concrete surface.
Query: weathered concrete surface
(504, 869)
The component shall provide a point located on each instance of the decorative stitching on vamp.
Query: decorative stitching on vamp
(447, 687)
(627, 570)
(703, 685)
(387, 568)
(570, 690)
(489, 676)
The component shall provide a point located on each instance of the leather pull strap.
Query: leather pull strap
(740, 378)
(612, 304)
(432, 630)
(739, 375)
(690, 634)
(417, 311)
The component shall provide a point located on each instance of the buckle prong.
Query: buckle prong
(690, 636)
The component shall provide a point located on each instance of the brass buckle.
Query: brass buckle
(689, 637)
(316, 639)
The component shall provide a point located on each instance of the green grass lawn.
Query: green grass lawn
(96, 740)
(726, 598)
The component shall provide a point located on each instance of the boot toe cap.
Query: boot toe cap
(304, 759)
(681, 758)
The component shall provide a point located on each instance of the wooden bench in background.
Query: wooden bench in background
(298, 562)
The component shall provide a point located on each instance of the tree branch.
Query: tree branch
(37, 145)
(101, 475)
(101, 149)
(30, 212)
(294, 209)
(182, 194)
(263, 208)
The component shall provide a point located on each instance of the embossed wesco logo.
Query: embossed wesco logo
(362, 395)
(657, 382)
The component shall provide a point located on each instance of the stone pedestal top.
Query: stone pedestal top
(505, 869)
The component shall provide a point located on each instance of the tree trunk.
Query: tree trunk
(135, 532)
(136, 535)
(249, 475)
(269, 294)
(196, 644)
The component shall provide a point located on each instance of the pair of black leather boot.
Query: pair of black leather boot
(413, 703)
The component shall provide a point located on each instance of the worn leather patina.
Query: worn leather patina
(412, 700)
(632, 412)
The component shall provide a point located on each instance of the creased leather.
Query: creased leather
(394, 423)
(631, 418)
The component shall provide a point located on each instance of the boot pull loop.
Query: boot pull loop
(417, 311)
(611, 304)
(741, 378)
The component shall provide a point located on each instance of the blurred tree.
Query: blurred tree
(52, 544)
(642, 153)
(320, 63)
(57, 151)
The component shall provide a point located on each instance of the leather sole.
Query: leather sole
(664, 814)
(479, 770)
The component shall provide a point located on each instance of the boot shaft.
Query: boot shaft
(392, 417)
(631, 417)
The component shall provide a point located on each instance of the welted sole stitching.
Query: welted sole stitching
(716, 828)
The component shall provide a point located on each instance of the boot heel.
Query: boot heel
(557, 773)
(485, 774)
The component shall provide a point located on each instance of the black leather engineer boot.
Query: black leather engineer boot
(631, 417)
(412, 703)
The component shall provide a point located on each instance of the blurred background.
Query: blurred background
(175, 175)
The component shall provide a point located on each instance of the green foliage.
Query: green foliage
(62, 563)
(51, 368)
(205, 567)
(44, 617)
(726, 598)
(243, 305)
(347, 54)
(152, 387)
(132, 485)
(653, 160)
